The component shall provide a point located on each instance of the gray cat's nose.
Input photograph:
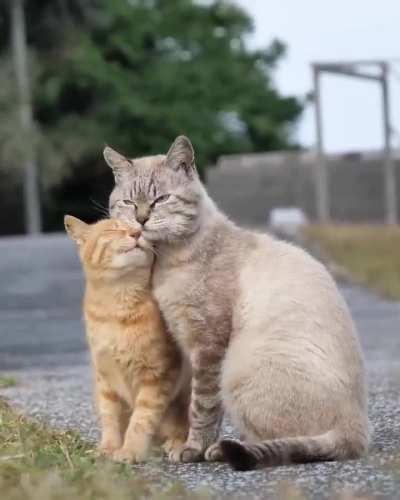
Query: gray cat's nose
(143, 218)
(142, 213)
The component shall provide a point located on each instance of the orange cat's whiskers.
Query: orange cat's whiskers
(137, 364)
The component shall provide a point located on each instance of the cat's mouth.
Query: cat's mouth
(148, 235)
(143, 243)
(130, 249)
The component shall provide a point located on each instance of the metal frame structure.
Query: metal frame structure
(377, 71)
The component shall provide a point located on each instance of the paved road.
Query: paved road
(42, 341)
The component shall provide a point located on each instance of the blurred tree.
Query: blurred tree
(136, 73)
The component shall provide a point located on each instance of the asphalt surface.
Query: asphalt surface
(42, 343)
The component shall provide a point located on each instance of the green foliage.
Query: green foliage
(38, 463)
(7, 381)
(136, 73)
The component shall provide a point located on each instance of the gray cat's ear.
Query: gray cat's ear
(181, 156)
(77, 229)
(119, 164)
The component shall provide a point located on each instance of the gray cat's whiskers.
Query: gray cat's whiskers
(100, 208)
(155, 251)
(269, 338)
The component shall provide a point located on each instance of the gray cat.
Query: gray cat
(269, 338)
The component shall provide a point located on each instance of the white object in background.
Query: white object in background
(287, 220)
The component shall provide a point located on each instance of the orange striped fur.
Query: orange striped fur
(138, 367)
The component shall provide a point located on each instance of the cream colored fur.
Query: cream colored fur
(294, 365)
(263, 324)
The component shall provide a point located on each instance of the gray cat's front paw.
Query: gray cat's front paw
(187, 453)
(214, 453)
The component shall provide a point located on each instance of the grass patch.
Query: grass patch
(369, 253)
(38, 463)
(7, 381)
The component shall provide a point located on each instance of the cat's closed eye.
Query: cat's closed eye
(161, 199)
(129, 202)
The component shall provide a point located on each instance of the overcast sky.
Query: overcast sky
(322, 30)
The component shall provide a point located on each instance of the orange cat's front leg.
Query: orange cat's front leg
(110, 411)
(175, 424)
(150, 406)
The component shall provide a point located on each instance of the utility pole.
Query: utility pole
(360, 70)
(33, 222)
(389, 166)
(321, 174)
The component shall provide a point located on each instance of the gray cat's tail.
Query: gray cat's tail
(325, 447)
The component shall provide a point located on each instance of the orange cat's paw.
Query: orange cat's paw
(107, 449)
(173, 444)
(127, 456)
(186, 453)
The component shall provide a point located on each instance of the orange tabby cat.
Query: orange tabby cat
(137, 365)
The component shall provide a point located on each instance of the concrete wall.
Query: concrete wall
(247, 187)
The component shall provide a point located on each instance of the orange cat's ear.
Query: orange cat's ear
(76, 229)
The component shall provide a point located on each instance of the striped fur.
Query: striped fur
(269, 338)
(138, 369)
(325, 447)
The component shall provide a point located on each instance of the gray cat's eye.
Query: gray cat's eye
(160, 199)
(129, 202)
